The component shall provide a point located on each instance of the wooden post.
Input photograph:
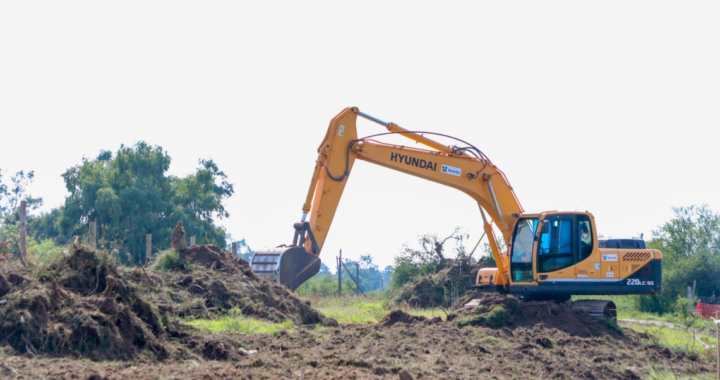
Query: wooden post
(717, 327)
(192, 240)
(234, 248)
(148, 248)
(23, 233)
(357, 277)
(93, 235)
(339, 265)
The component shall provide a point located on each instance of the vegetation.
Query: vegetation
(326, 283)
(237, 322)
(369, 308)
(690, 244)
(129, 194)
(10, 197)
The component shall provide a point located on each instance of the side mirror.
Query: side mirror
(545, 226)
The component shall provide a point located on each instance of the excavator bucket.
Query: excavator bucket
(289, 266)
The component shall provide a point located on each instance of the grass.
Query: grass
(237, 322)
(680, 340)
(363, 309)
(671, 376)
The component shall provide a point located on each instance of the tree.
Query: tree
(129, 194)
(10, 198)
(690, 244)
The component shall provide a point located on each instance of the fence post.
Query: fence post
(339, 266)
(93, 235)
(192, 240)
(717, 327)
(148, 248)
(234, 248)
(23, 233)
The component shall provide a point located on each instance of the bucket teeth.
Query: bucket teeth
(289, 266)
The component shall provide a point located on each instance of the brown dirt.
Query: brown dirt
(127, 321)
(437, 350)
(83, 305)
(501, 311)
(442, 288)
(215, 282)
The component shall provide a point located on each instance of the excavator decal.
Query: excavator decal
(414, 161)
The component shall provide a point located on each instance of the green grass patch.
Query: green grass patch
(169, 259)
(363, 309)
(671, 376)
(237, 322)
(679, 340)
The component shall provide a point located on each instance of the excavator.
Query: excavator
(550, 255)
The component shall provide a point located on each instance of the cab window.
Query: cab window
(521, 263)
(557, 245)
(586, 237)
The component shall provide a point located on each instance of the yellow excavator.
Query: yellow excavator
(551, 255)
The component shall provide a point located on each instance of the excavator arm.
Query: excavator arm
(463, 168)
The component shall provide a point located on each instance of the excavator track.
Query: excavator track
(595, 309)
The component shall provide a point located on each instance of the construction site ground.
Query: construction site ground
(86, 318)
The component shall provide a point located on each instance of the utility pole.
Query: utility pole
(357, 276)
(339, 268)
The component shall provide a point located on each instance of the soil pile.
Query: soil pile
(79, 306)
(211, 281)
(497, 311)
(83, 305)
(441, 288)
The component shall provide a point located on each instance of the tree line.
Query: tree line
(128, 194)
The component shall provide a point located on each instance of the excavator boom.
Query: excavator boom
(465, 169)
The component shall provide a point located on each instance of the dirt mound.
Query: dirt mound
(441, 288)
(497, 311)
(212, 281)
(399, 316)
(84, 305)
(79, 306)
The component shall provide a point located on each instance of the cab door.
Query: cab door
(588, 270)
(557, 252)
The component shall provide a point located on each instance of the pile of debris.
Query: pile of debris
(84, 305)
(442, 288)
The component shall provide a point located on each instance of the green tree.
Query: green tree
(129, 194)
(690, 244)
(10, 197)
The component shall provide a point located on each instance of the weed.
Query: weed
(169, 259)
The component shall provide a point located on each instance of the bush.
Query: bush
(169, 259)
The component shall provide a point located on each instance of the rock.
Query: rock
(245, 352)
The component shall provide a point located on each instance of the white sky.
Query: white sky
(611, 107)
